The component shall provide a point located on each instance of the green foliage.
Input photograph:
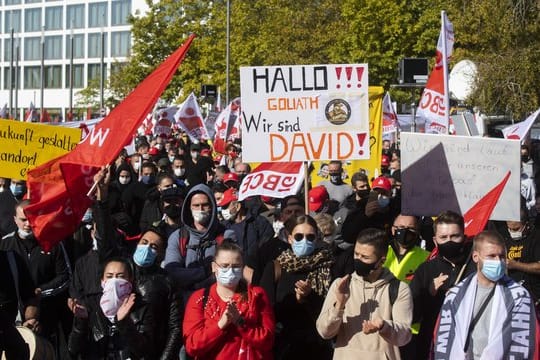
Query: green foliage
(500, 36)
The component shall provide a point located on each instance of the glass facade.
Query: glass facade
(53, 18)
(78, 75)
(75, 16)
(120, 43)
(78, 46)
(32, 20)
(32, 78)
(120, 12)
(32, 48)
(12, 19)
(94, 45)
(53, 47)
(97, 15)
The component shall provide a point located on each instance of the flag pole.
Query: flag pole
(306, 188)
(445, 69)
(42, 87)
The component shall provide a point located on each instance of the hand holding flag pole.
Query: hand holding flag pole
(102, 178)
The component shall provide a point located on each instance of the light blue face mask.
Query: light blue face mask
(303, 247)
(144, 255)
(493, 269)
(229, 277)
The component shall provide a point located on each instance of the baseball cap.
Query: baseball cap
(317, 196)
(228, 196)
(230, 177)
(382, 182)
(153, 151)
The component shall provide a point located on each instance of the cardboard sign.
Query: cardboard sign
(441, 172)
(305, 113)
(26, 145)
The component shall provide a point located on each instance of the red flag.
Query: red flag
(58, 188)
(227, 126)
(477, 216)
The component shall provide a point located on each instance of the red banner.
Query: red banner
(277, 179)
(58, 188)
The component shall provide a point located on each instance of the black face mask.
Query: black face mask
(335, 179)
(451, 249)
(363, 269)
(405, 238)
(525, 158)
(363, 193)
(172, 211)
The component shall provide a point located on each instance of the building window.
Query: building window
(75, 16)
(78, 46)
(78, 76)
(94, 70)
(53, 18)
(94, 45)
(12, 18)
(6, 78)
(117, 67)
(32, 19)
(53, 77)
(97, 14)
(31, 1)
(32, 48)
(32, 78)
(120, 43)
(120, 12)
(53, 47)
(12, 2)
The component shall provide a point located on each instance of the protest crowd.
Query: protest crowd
(168, 263)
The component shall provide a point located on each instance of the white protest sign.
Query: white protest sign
(305, 112)
(441, 172)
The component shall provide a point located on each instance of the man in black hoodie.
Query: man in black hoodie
(191, 249)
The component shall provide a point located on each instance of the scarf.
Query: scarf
(318, 265)
(512, 326)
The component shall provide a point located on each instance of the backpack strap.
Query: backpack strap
(183, 241)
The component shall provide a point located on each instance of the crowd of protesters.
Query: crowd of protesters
(168, 263)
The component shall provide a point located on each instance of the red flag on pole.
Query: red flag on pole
(58, 188)
(477, 216)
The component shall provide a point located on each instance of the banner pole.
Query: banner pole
(306, 187)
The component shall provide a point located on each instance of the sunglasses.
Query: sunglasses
(300, 237)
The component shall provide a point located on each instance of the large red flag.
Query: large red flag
(58, 188)
(477, 216)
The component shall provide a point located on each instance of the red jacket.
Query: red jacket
(253, 340)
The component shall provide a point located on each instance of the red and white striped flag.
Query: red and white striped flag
(434, 104)
(30, 113)
(390, 120)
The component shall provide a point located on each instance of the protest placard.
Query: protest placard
(26, 145)
(305, 112)
(441, 172)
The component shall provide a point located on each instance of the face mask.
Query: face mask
(451, 249)
(158, 146)
(229, 277)
(227, 214)
(147, 179)
(405, 238)
(363, 269)
(146, 156)
(1, 189)
(383, 200)
(233, 154)
(137, 165)
(335, 179)
(24, 234)
(200, 216)
(171, 158)
(303, 247)
(87, 217)
(172, 211)
(493, 269)
(17, 189)
(124, 180)
(194, 154)
(179, 172)
(363, 193)
(525, 158)
(515, 235)
(144, 255)
(115, 291)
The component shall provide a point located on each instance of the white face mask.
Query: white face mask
(201, 216)
(124, 180)
(277, 225)
(1, 189)
(515, 235)
(171, 158)
(229, 277)
(115, 291)
(146, 156)
(24, 234)
(179, 171)
(227, 214)
(136, 165)
(194, 154)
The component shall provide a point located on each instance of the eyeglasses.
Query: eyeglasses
(300, 237)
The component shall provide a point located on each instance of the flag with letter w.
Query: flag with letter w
(58, 188)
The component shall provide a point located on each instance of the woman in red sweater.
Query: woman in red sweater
(230, 319)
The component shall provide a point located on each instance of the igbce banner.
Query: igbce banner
(305, 113)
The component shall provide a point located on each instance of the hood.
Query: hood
(385, 277)
(187, 218)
